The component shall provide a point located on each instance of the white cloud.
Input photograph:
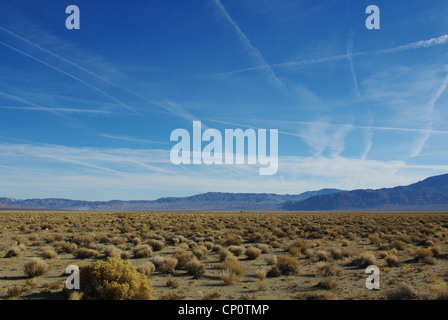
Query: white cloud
(102, 174)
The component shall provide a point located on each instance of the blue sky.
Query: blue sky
(87, 114)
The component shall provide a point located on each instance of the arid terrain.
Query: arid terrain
(244, 255)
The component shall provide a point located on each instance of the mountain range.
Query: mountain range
(211, 201)
(430, 194)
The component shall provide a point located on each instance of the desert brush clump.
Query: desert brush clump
(328, 270)
(327, 284)
(392, 261)
(195, 267)
(252, 253)
(236, 250)
(402, 292)
(229, 278)
(164, 264)
(364, 260)
(423, 253)
(14, 252)
(142, 251)
(286, 265)
(182, 257)
(200, 251)
(49, 253)
(84, 253)
(223, 253)
(233, 239)
(115, 279)
(147, 268)
(35, 267)
(156, 245)
(112, 251)
(231, 264)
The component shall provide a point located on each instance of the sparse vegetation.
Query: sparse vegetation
(281, 255)
(115, 279)
(35, 267)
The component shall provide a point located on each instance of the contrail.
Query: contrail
(414, 45)
(255, 53)
(182, 113)
(429, 110)
(418, 44)
(75, 78)
(350, 61)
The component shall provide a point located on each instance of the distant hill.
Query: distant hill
(211, 201)
(429, 194)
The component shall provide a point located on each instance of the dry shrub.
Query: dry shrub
(209, 245)
(236, 250)
(428, 260)
(200, 252)
(224, 253)
(184, 246)
(423, 253)
(13, 291)
(136, 240)
(322, 255)
(118, 240)
(14, 252)
(182, 257)
(392, 260)
(156, 245)
(287, 265)
(366, 259)
(112, 251)
(327, 284)
(439, 288)
(115, 279)
(263, 247)
(75, 295)
(257, 237)
(261, 274)
(126, 255)
(172, 283)
(328, 270)
(336, 253)
(402, 292)
(399, 245)
(84, 253)
(436, 251)
(83, 239)
(35, 267)
(271, 260)
(233, 239)
(164, 264)
(49, 254)
(252, 253)
(195, 267)
(142, 251)
(229, 277)
(68, 247)
(212, 296)
(147, 269)
(231, 264)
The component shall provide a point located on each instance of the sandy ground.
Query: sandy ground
(34, 231)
